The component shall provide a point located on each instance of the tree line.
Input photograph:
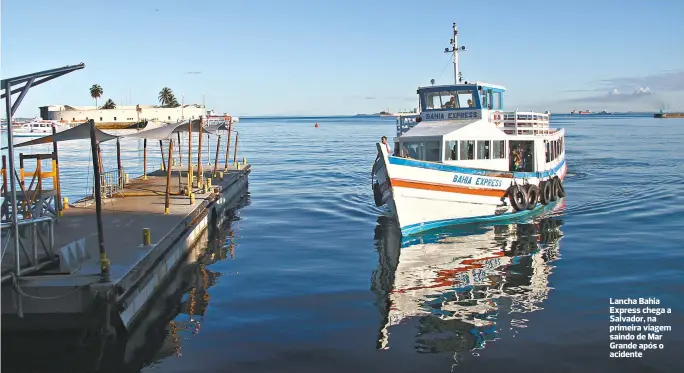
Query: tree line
(166, 98)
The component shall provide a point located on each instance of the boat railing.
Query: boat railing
(522, 122)
(405, 123)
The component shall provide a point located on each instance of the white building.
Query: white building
(121, 114)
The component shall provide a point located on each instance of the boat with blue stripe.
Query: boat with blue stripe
(463, 158)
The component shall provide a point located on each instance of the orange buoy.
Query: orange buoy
(316, 125)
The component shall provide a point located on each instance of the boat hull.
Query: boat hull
(426, 195)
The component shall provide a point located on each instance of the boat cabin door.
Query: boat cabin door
(521, 156)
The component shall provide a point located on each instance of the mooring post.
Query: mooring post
(190, 159)
(167, 200)
(161, 149)
(237, 136)
(104, 262)
(200, 174)
(230, 128)
(99, 158)
(180, 153)
(55, 178)
(144, 159)
(119, 168)
(208, 150)
(218, 146)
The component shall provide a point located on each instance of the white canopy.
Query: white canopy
(80, 132)
(165, 132)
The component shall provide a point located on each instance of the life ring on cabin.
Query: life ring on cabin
(545, 192)
(532, 196)
(518, 197)
(560, 190)
(377, 195)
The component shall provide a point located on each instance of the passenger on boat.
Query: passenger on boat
(517, 158)
(451, 104)
(383, 140)
(470, 103)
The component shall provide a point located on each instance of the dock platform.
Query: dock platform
(668, 115)
(71, 293)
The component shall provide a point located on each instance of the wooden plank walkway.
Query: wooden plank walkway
(141, 205)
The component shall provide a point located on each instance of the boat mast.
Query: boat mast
(455, 49)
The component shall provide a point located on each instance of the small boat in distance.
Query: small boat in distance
(464, 159)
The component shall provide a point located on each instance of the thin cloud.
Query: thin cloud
(671, 81)
(193, 72)
(666, 82)
(615, 95)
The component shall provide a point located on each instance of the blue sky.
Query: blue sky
(300, 57)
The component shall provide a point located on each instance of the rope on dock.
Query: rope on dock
(15, 286)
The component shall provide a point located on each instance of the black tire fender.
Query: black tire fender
(532, 196)
(518, 197)
(545, 192)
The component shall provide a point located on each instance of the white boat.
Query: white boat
(464, 159)
(216, 120)
(37, 128)
(461, 281)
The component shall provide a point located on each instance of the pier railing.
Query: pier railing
(35, 250)
(112, 183)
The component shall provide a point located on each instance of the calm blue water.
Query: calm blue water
(315, 274)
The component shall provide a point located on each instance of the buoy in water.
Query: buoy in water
(316, 125)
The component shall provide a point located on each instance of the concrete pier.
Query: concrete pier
(71, 293)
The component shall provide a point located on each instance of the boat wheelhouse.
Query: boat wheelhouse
(465, 158)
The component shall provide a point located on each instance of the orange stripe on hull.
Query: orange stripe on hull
(447, 188)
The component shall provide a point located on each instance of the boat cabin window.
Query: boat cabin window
(553, 149)
(497, 103)
(450, 100)
(467, 150)
(483, 149)
(421, 150)
(498, 149)
(491, 99)
(521, 156)
(451, 150)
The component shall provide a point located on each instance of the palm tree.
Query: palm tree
(109, 104)
(166, 96)
(96, 92)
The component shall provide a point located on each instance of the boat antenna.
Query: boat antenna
(458, 77)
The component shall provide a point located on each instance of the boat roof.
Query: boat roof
(472, 128)
(436, 128)
(470, 84)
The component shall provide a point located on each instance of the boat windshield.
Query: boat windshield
(450, 99)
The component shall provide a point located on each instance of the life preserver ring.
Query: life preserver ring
(545, 192)
(560, 190)
(532, 196)
(518, 197)
(377, 195)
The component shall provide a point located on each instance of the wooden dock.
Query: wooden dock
(73, 294)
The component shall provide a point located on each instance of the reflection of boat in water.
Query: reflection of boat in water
(452, 283)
